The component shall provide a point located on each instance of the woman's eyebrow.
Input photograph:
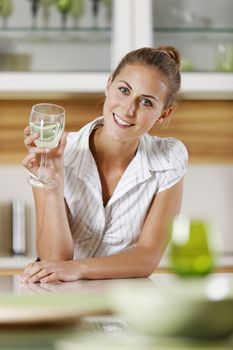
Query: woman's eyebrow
(144, 95)
(122, 81)
(150, 96)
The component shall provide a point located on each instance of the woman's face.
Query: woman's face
(134, 102)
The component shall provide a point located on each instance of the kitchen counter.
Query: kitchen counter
(101, 329)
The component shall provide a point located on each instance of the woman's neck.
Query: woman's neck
(110, 151)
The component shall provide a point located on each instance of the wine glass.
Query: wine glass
(64, 7)
(34, 11)
(6, 9)
(191, 246)
(48, 120)
(77, 10)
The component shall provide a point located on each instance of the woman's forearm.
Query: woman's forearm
(53, 239)
(137, 262)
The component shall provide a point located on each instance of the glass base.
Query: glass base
(41, 182)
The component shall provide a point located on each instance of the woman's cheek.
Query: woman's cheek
(147, 119)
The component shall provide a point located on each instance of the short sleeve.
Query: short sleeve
(176, 154)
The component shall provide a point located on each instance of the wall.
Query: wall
(208, 193)
(205, 127)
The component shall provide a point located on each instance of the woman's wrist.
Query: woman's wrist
(82, 269)
(59, 188)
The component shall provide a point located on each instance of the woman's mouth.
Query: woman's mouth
(120, 122)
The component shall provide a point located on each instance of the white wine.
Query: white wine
(47, 120)
(50, 133)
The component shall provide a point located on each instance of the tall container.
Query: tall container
(18, 227)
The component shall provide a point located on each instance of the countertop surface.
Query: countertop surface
(10, 283)
(100, 330)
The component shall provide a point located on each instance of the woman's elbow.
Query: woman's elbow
(150, 261)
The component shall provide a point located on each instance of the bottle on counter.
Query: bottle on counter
(18, 227)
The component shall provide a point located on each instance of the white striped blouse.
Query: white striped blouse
(100, 230)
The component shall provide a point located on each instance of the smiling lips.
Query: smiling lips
(120, 122)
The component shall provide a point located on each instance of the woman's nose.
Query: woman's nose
(130, 108)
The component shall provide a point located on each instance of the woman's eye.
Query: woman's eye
(146, 102)
(124, 90)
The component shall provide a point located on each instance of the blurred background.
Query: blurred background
(63, 51)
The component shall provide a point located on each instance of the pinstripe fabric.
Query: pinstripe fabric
(97, 230)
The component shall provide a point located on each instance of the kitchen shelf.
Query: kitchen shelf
(42, 82)
(108, 29)
(54, 29)
(207, 85)
(192, 30)
(26, 84)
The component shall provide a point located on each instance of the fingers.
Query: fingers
(29, 140)
(62, 144)
(26, 131)
(53, 277)
(39, 272)
(40, 276)
(31, 163)
(50, 271)
(33, 272)
(30, 158)
(30, 271)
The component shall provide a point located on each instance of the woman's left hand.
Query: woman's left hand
(51, 271)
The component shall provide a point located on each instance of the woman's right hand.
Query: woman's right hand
(55, 156)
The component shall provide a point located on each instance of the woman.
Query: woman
(118, 187)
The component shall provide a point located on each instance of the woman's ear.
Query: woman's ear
(108, 84)
(164, 115)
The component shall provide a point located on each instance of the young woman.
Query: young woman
(118, 186)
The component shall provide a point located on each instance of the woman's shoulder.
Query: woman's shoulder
(170, 146)
(171, 149)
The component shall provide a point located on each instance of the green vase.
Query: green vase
(191, 253)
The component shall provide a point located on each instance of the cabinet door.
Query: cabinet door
(55, 35)
(201, 30)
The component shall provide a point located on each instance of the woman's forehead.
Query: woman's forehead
(141, 76)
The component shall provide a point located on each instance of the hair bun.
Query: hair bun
(172, 52)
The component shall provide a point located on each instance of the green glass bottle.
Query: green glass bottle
(191, 253)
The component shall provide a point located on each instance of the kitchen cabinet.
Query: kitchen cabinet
(48, 40)
(50, 57)
(202, 31)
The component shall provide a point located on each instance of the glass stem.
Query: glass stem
(43, 162)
